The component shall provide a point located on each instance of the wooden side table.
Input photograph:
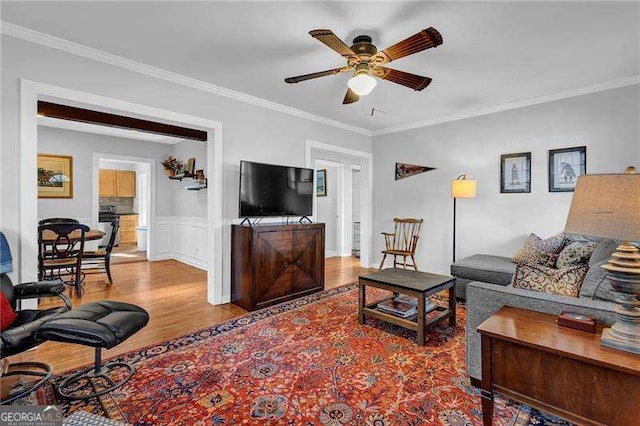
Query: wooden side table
(526, 356)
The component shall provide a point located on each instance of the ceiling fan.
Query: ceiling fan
(364, 58)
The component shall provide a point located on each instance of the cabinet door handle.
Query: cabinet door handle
(285, 264)
(298, 262)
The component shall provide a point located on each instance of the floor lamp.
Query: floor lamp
(461, 187)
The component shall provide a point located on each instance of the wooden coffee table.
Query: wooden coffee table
(411, 283)
(526, 356)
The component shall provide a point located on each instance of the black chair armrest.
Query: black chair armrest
(38, 289)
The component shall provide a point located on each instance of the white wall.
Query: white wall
(493, 223)
(250, 132)
(190, 203)
(81, 146)
(327, 210)
(356, 193)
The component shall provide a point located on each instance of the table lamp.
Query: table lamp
(461, 187)
(608, 206)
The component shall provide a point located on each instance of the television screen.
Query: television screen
(270, 190)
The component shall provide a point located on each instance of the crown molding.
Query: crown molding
(81, 50)
(600, 87)
(77, 49)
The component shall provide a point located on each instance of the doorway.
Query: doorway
(132, 239)
(31, 92)
(348, 160)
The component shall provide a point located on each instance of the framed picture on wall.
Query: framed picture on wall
(515, 173)
(321, 183)
(55, 176)
(565, 165)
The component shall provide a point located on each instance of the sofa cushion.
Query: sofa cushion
(596, 285)
(485, 268)
(575, 254)
(565, 282)
(603, 251)
(535, 246)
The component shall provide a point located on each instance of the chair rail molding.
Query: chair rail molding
(182, 239)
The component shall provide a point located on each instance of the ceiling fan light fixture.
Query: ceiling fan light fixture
(362, 83)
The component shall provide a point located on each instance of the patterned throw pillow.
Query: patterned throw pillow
(565, 282)
(548, 259)
(535, 246)
(574, 254)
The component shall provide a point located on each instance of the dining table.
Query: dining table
(49, 237)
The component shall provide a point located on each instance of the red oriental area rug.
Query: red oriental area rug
(306, 362)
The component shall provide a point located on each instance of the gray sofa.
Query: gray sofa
(485, 284)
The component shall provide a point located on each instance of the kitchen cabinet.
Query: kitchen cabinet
(274, 263)
(128, 224)
(107, 180)
(117, 183)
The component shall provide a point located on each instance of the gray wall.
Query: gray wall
(81, 146)
(250, 132)
(190, 203)
(494, 223)
(327, 209)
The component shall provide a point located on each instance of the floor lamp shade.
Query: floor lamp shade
(608, 206)
(463, 188)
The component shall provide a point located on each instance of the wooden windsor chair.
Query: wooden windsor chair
(402, 242)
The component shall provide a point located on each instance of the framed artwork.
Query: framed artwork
(55, 176)
(565, 165)
(515, 173)
(321, 183)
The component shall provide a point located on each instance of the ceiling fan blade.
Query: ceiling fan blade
(415, 82)
(331, 40)
(423, 40)
(299, 78)
(350, 97)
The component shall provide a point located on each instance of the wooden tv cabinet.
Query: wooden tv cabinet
(271, 264)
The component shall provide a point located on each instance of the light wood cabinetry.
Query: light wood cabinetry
(117, 183)
(126, 183)
(107, 183)
(128, 224)
(275, 263)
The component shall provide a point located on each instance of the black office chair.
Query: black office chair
(61, 255)
(20, 335)
(101, 259)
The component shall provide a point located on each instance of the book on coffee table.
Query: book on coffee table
(398, 308)
(429, 305)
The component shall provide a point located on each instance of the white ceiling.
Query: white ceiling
(494, 53)
(106, 130)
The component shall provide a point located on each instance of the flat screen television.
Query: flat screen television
(271, 190)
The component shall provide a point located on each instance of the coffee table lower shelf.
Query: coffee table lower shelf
(410, 322)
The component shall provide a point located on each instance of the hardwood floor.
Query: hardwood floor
(126, 253)
(173, 293)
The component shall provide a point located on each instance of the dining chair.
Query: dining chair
(57, 220)
(402, 242)
(60, 249)
(101, 259)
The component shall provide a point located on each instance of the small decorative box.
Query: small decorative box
(577, 321)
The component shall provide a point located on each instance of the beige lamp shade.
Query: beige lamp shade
(463, 188)
(606, 206)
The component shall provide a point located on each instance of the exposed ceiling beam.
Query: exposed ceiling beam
(65, 112)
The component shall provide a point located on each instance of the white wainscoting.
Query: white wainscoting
(183, 239)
